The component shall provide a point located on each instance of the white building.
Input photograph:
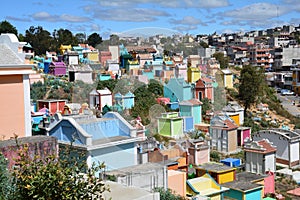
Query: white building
(287, 143)
(100, 98)
(260, 156)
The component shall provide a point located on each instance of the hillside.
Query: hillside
(275, 117)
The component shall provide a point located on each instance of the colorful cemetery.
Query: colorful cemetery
(124, 101)
(204, 89)
(170, 125)
(191, 108)
(205, 186)
(103, 138)
(220, 172)
(223, 133)
(100, 98)
(57, 68)
(177, 89)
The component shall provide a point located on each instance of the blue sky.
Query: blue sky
(145, 16)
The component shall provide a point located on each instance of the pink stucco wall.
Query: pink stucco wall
(246, 134)
(209, 93)
(177, 182)
(269, 183)
(34, 78)
(36, 146)
(104, 56)
(12, 115)
(203, 156)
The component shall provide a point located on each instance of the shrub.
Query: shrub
(167, 194)
(215, 156)
(53, 177)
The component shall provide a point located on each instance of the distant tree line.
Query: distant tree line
(42, 40)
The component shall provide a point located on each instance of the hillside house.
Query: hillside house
(286, 142)
(177, 90)
(181, 71)
(104, 139)
(100, 98)
(170, 125)
(235, 112)
(81, 72)
(219, 172)
(193, 74)
(260, 156)
(192, 108)
(204, 89)
(57, 69)
(205, 186)
(223, 133)
(125, 101)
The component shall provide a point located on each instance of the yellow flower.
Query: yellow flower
(27, 186)
(60, 183)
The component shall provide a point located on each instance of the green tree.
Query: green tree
(81, 37)
(40, 40)
(94, 39)
(144, 100)
(6, 27)
(64, 37)
(220, 99)
(204, 44)
(109, 84)
(251, 86)
(54, 177)
(37, 91)
(222, 59)
(114, 39)
(206, 105)
(249, 122)
(167, 194)
(155, 87)
(7, 186)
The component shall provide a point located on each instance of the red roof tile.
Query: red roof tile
(295, 192)
(206, 80)
(191, 102)
(230, 125)
(268, 148)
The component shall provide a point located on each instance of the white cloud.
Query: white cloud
(168, 4)
(257, 11)
(95, 27)
(21, 19)
(134, 15)
(185, 28)
(72, 18)
(188, 20)
(45, 16)
(206, 3)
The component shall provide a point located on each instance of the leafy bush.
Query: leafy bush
(6, 180)
(167, 194)
(215, 156)
(53, 177)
